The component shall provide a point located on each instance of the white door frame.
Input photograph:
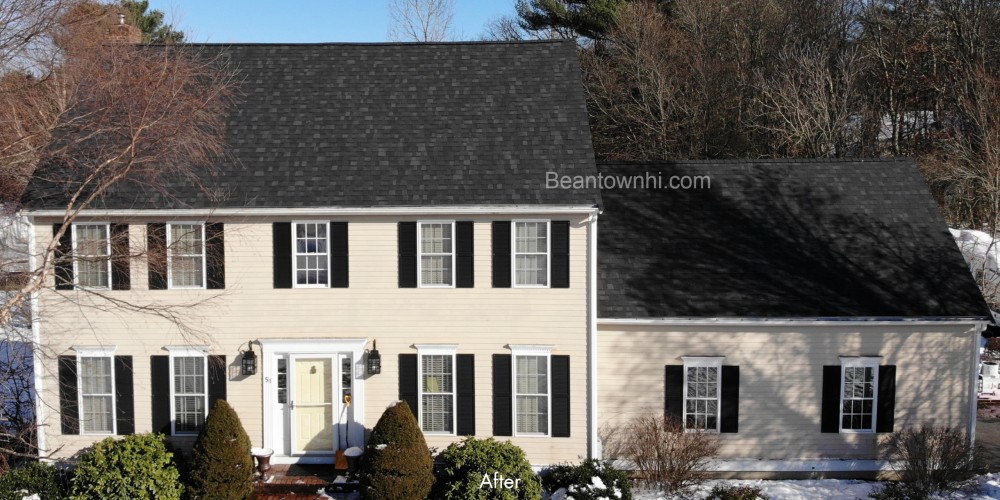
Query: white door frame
(307, 347)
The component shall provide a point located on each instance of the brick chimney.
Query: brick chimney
(124, 32)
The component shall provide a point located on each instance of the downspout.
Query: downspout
(977, 331)
(594, 447)
(36, 341)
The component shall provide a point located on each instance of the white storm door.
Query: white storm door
(311, 403)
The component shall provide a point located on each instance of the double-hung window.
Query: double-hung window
(186, 255)
(92, 248)
(859, 382)
(702, 388)
(437, 388)
(532, 390)
(531, 253)
(96, 380)
(311, 254)
(436, 254)
(188, 389)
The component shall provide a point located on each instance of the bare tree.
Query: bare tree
(82, 115)
(812, 108)
(421, 20)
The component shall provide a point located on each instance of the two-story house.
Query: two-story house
(383, 198)
(403, 205)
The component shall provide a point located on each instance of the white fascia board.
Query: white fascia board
(326, 211)
(791, 322)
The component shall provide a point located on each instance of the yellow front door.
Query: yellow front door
(312, 405)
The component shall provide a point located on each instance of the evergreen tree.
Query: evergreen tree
(223, 467)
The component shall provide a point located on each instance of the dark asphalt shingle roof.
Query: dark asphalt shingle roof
(780, 239)
(360, 125)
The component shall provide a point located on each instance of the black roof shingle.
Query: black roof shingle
(780, 239)
(379, 125)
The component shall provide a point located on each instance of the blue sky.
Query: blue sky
(225, 21)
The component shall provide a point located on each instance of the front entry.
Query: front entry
(311, 403)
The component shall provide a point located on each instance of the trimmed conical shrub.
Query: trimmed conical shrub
(397, 464)
(222, 466)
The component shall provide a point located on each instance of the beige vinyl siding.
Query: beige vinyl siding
(482, 321)
(781, 371)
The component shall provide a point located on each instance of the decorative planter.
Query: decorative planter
(263, 457)
(353, 454)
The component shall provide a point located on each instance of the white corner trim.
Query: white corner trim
(530, 349)
(87, 351)
(974, 380)
(436, 349)
(36, 340)
(329, 211)
(594, 448)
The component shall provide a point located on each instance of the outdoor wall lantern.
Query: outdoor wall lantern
(374, 360)
(249, 360)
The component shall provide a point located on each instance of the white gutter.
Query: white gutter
(36, 341)
(788, 322)
(594, 448)
(326, 211)
(974, 381)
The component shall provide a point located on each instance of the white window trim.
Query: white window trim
(170, 260)
(295, 255)
(703, 362)
(183, 352)
(76, 255)
(859, 362)
(514, 253)
(531, 350)
(437, 350)
(420, 253)
(96, 352)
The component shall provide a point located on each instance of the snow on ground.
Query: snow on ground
(987, 487)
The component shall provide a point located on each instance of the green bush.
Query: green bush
(222, 466)
(467, 469)
(32, 478)
(396, 463)
(590, 480)
(136, 466)
(736, 492)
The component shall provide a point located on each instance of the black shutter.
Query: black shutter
(501, 255)
(63, 257)
(339, 259)
(159, 369)
(120, 265)
(465, 387)
(830, 419)
(281, 243)
(673, 393)
(215, 256)
(124, 395)
(407, 255)
(69, 408)
(560, 254)
(216, 379)
(729, 408)
(156, 253)
(560, 396)
(408, 381)
(886, 398)
(464, 255)
(502, 396)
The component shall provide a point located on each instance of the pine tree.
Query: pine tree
(397, 463)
